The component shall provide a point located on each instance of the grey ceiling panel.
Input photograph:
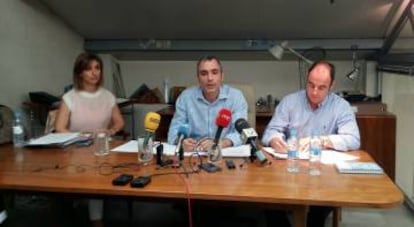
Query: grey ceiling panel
(266, 20)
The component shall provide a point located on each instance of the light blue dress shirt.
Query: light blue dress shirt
(193, 109)
(333, 118)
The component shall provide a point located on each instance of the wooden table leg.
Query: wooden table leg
(299, 216)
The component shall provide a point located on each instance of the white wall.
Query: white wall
(268, 77)
(109, 62)
(37, 51)
(398, 94)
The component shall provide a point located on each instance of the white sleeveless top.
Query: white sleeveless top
(89, 112)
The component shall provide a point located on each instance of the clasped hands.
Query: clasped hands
(189, 144)
(280, 146)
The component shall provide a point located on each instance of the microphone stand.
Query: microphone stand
(253, 150)
(180, 155)
(179, 152)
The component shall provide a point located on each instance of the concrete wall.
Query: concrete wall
(398, 94)
(268, 77)
(37, 51)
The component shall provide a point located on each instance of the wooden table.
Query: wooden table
(77, 171)
(377, 128)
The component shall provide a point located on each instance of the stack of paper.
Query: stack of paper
(56, 139)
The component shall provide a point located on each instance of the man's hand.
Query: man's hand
(189, 144)
(279, 145)
(226, 143)
(304, 143)
(326, 143)
(206, 144)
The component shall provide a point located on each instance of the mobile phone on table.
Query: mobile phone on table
(141, 181)
(122, 179)
(84, 143)
(209, 167)
(230, 164)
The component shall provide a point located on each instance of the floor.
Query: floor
(40, 211)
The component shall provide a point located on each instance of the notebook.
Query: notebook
(359, 167)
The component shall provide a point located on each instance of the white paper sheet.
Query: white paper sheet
(328, 156)
(332, 157)
(129, 147)
(132, 147)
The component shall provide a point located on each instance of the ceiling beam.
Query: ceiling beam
(227, 45)
(395, 32)
(411, 18)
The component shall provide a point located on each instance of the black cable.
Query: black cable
(106, 168)
(171, 173)
(192, 164)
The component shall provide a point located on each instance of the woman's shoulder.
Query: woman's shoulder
(106, 92)
(69, 94)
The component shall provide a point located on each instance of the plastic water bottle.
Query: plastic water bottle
(292, 142)
(18, 130)
(166, 90)
(315, 154)
(36, 130)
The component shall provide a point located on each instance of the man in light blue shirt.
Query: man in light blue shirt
(199, 106)
(315, 108)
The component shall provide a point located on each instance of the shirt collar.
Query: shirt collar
(87, 94)
(322, 104)
(223, 94)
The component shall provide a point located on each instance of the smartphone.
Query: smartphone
(209, 167)
(122, 179)
(84, 143)
(230, 164)
(140, 181)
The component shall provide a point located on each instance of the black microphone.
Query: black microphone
(247, 133)
(248, 136)
(160, 150)
(160, 157)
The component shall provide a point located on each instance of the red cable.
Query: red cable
(187, 190)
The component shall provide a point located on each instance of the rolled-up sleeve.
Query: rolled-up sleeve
(278, 123)
(179, 118)
(347, 137)
(239, 110)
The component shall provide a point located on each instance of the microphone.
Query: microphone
(183, 132)
(248, 136)
(222, 121)
(151, 123)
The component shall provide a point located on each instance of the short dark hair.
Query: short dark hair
(81, 64)
(209, 58)
(322, 62)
